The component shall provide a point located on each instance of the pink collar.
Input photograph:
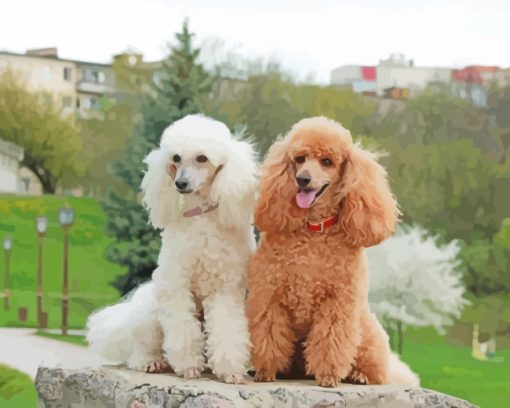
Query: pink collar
(200, 210)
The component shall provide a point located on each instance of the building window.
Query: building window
(89, 75)
(90, 103)
(26, 183)
(97, 77)
(67, 73)
(46, 73)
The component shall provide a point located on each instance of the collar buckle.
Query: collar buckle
(322, 225)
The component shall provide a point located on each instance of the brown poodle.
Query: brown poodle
(322, 200)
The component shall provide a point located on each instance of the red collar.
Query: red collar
(322, 225)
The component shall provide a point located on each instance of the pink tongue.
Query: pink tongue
(304, 199)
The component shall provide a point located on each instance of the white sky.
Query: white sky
(305, 36)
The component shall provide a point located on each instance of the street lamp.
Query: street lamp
(66, 218)
(41, 225)
(7, 253)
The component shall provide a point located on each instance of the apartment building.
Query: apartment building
(472, 83)
(41, 71)
(75, 87)
(393, 73)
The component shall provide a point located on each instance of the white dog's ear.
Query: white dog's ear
(159, 197)
(235, 185)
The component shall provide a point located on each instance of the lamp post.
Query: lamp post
(7, 253)
(66, 218)
(41, 225)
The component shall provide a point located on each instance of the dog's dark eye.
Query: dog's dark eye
(176, 158)
(326, 162)
(300, 159)
(201, 159)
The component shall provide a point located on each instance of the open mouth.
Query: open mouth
(305, 198)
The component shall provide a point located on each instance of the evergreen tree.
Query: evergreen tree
(180, 89)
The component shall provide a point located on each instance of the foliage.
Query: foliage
(181, 89)
(448, 173)
(269, 104)
(415, 282)
(16, 388)
(51, 140)
(104, 137)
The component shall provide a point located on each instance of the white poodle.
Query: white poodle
(200, 189)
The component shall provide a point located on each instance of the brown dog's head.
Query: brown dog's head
(316, 172)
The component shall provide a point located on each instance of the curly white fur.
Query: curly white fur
(202, 262)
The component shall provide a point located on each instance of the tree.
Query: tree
(51, 141)
(415, 282)
(104, 137)
(182, 87)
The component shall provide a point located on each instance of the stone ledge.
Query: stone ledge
(120, 388)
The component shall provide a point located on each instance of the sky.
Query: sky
(306, 37)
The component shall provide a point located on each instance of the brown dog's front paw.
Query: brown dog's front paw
(357, 377)
(327, 381)
(264, 376)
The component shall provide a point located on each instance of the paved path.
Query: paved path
(21, 349)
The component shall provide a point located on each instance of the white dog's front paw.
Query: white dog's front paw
(191, 373)
(232, 378)
(157, 366)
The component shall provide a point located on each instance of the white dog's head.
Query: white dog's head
(200, 156)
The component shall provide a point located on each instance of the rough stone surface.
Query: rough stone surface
(121, 388)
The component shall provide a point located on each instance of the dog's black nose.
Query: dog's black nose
(181, 184)
(303, 179)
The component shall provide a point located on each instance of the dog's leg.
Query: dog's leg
(332, 342)
(183, 338)
(272, 339)
(372, 358)
(147, 354)
(228, 343)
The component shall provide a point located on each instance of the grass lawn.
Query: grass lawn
(89, 271)
(70, 338)
(16, 389)
(452, 370)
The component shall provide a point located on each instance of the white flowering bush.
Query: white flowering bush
(415, 281)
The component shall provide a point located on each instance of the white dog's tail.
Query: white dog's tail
(110, 330)
(400, 373)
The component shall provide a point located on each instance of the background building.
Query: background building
(77, 88)
(473, 82)
(42, 71)
(394, 75)
(10, 157)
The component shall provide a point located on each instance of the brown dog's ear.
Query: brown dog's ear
(369, 210)
(276, 210)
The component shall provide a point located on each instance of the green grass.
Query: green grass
(452, 370)
(89, 271)
(70, 338)
(16, 389)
